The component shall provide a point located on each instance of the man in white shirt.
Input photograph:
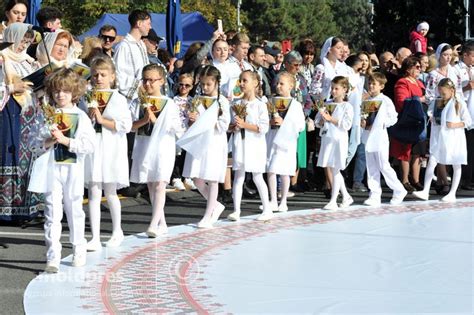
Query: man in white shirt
(240, 46)
(131, 56)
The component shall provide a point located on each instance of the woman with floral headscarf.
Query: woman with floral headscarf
(17, 118)
(418, 39)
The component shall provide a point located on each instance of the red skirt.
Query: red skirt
(400, 151)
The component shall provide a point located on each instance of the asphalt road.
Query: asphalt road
(24, 258)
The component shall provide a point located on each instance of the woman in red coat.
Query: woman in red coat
(406, 87)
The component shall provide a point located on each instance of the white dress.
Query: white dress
(155, 163)
(109, 162)
(159, 156)
(250, 154)
(334, 139)
(205, 143)
(282, 142)
(444, 139)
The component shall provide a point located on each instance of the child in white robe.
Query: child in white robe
(59, 172)
(282, 142)
(107, 168)
(449, 116)
(248, 145)
(154, 155)
(375, 138)
(205, 143)
(334, 140)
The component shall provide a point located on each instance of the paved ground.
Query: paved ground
(24, 258)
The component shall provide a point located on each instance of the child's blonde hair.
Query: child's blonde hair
(289, 76)
(447, 82)
(104, 63)
(65, 79)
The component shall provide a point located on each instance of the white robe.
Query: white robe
(334, 139)
(282, 142)
(323, 75)
(357, 82)
(376, 139)
(433, 79)
(43, 173)
(448, 145)
(109, 162)
(250, 154)
(157, 160)
(465, 75)
(205, 143)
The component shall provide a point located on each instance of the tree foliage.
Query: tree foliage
(293, 19)
(393, 21)
(354, 19)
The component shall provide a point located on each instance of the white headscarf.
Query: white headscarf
(14, 33)
(439, 50)
(325, 49)
(423, 26)
(49, 41)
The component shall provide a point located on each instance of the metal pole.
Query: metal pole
(239, 2)
(466, 5)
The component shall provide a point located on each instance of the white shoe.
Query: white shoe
(216, 213)
(93, 246)
(421, 195)
(52, 267)
(265, 216)
(272, 206)
(398, 199)
(282, 208)
(153, 232)
(449, 198)
(234, 216)
(189, 182)
(178, 184)
(347, 202)
(115, 240)
(372, 202)
(205, 225)
(79, 260)
(290, 194)
(331, 206)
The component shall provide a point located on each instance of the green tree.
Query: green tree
(393, 21)
(280, 19)
(354, 19)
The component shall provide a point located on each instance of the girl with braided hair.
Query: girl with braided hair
(205, 143)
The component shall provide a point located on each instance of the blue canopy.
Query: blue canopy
(195, 27)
